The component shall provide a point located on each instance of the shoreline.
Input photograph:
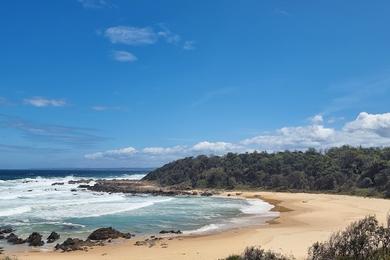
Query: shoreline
(304, 219)
(248, 219)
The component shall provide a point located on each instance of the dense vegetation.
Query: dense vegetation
(362, 240)
(364, 171)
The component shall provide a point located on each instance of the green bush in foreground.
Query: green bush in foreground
(362, 240)
(256, 253)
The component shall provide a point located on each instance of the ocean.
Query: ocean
(29, 202)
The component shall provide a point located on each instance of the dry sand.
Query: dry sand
(304, 219)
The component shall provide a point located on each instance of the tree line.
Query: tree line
(346, 169)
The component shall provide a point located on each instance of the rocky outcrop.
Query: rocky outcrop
(6, 230)
(206, 194)
(57, 183)
(14, 239)
(73, 244)
(53, 237)
(35, 239)
(170, 232)
(96, 238)
(149, 242)
(135, 187)
(107, 233)
(80, 181)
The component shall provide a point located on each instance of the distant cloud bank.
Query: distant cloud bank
(366, 130)
(44, 102)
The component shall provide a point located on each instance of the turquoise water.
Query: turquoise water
(34, 204)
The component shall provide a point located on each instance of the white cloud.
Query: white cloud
(124, 56)
(300, 137)
(131, 35)
(317, 119)
(169, 36)
(215, 147)
(375, 123)
(44, 102)
(137, 36)
(189, 45)
(367, 130)
(164, 150)
(122, 153)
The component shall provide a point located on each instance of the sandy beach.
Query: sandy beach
(304, 219)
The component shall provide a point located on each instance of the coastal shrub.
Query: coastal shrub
(346, 169)
(257, 253)
(362, 240)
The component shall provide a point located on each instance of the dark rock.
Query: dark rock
(80, 181)
(73, 190)
(57, 183)
(206, 194)
(14, 239)
(140, 243)
(84, 186)
(2, 237)
(170, 232)
(134, 187)
(53, 237)
(6, 230)
(127, 235)
(108, 233)
(35, 239)
(73, 244)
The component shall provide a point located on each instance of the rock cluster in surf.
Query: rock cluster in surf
(108, 233)
(96, 238)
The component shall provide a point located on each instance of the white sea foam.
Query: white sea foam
(256, 206)
(14, 211)
(36, 202)
(205, 229)
(128, 177)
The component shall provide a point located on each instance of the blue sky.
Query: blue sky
(111, 83)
